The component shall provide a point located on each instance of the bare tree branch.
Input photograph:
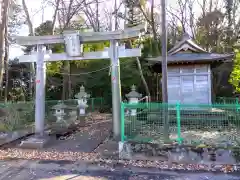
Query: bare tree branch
(55, 16)
(29, 22)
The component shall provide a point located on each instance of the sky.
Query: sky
(39, 15)
(36, 13)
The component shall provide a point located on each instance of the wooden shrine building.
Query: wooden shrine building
(189, 72)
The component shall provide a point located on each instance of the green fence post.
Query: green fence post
(122, 122)
(101, 101)
(179, 139)
(237, 104)
(92, 104)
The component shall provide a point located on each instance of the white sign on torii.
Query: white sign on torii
(72, 41)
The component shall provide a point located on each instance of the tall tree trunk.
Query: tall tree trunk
(5, 9)
(32, 65)
(6, 62)
(66, 80)
(143, 78)
(55, 17)
(141, 73)
(66, 64)
(229, 9)
(155, 39)
(97, 15)
(129, 42)
(31, 33)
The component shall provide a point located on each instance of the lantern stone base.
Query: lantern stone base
(35, 142)
(125, 151)
(82, 120)
(59, 128)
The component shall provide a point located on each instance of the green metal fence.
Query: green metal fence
(16, 116)
(20, 115)
(227, 100)
(94, 104)
(214, 125)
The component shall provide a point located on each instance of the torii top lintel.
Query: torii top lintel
(84, 36)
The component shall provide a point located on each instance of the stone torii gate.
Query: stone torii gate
(73, 41)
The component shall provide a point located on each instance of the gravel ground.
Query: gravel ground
(32, 171)
(96, 158)
(192, 135)
(103, 175)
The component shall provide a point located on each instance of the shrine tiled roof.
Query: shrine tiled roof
(193, 57)
(187, 50)
(185, 44)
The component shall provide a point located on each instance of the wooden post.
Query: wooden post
(164, 70)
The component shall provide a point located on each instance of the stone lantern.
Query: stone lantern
(82, 97)
(133, 98)
(59, 111)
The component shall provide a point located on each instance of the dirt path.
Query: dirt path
(85, 140)
(35, 170)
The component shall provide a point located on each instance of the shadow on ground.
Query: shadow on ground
(104, 175)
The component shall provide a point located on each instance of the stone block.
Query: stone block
(125, 150)
(35, 142)
(82, 120)
(4, 137)
(12, 136)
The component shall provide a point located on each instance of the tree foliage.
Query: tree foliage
(215, 28)
(235, 75)
(93, 74)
